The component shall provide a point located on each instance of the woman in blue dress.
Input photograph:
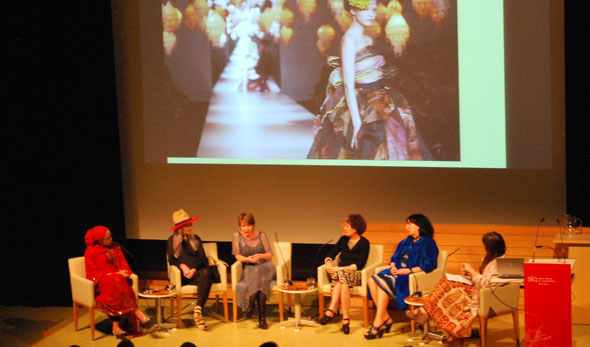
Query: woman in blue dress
(416, 253)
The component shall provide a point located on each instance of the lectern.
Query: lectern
(547, 304)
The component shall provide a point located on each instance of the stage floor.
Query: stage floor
(22, 324)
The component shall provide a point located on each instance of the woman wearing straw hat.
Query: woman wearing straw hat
(185, 250)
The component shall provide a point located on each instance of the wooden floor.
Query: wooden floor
(23, 326)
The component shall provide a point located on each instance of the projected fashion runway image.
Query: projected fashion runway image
(271, 79)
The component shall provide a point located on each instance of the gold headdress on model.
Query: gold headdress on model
(360, 4)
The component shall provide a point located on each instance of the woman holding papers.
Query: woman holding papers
(416, 253)
(453, 304)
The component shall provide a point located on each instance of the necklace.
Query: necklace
(352, 242)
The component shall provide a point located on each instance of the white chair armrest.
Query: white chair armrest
(322, 277)
(82, 290)
(175, 277)
(508, 296)
(281, 275)
(135, 284)
(367, 272)
(222, 275)
(425, 281)
(236, 274)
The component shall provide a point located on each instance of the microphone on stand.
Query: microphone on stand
(555, 251)
(315, 259)
(536, 238)
(289, 282)
(134, 259)
(418, 293)
(453, 252)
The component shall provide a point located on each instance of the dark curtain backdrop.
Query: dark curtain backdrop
(62, 151)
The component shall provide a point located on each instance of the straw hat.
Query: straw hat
(181, 218)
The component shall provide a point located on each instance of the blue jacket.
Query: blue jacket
(422, 253)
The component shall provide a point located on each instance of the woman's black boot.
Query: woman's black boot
(262, 311)
(251, 303)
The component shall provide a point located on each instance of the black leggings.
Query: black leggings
(201, 279)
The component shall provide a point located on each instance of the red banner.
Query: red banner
(547, 304)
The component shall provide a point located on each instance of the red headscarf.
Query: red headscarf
(95, 235)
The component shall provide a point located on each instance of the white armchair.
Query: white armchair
(374, 260)
(425, 281)
(498, 301)
(190, 291)
(281, 259)
(83, 290)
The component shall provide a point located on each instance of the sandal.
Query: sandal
(198, 318)
(326, 319)
(388, 325)
(345, 326)
(373, 332)
(143, 318)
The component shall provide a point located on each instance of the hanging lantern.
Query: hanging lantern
(344, 20)
(215, 29)
(169, 40)
(326, 36)
(202, 10)
(374, 30)
(383, 13)
(286, 17)
(191, 18)
(171, 17)
(439, 11)
(397, 32)
(221, 11)
(307, 8)
(336, 6)
(423, 8)
(286, 35)
(266, 19)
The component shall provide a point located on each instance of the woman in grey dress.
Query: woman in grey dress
(252, 248)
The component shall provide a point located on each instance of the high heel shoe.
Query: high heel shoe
(142, 317)
(345, 326)
(374, 331)
(388, 325)
(326, 319)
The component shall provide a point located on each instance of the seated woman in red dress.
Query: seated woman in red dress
(107, 268)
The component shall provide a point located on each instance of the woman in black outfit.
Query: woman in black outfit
(185, 251)
(354, 251)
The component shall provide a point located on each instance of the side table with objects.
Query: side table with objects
(297, 289)
(158, 295)
(413, 304)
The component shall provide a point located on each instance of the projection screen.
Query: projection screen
(202, 129)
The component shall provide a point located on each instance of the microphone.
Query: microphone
(555, 251)
(315, 259)
(453, 252)
(418, 293)
(283, 260)
(134, 259)
(536, 238)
